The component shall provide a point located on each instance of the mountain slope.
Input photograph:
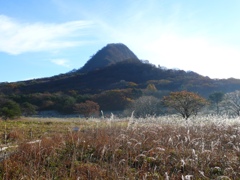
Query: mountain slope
(108, 55)
(113, 71)
(129, 72)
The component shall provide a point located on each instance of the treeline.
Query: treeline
(145, 102)
(63, 103)
(113, 88)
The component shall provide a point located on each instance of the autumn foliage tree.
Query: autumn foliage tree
(114, 100)
(184, 102)
(87, 108)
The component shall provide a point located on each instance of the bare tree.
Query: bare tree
(216, 99)
(231, 102)
(145, 106)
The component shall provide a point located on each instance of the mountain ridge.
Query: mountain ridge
(108, 55)
(118, 74)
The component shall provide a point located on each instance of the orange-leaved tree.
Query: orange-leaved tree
(87, 108)
(184, 102)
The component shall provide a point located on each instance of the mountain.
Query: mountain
(114, 77)
(108, 55)
(116, 67)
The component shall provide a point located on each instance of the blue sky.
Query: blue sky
(49, 37)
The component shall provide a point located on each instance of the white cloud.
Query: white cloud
(17, 37)
(61, 62)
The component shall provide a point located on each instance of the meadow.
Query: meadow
(166, 147)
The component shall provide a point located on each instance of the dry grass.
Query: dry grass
(152, 148)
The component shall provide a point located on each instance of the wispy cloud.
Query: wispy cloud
(17, 37)
(61, 62)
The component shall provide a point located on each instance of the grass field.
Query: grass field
(166, 147)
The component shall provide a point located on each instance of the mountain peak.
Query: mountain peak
(108, 55)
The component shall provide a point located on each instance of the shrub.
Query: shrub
(88, 108)
(9, 109)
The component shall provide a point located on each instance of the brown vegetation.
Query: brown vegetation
(111, 150)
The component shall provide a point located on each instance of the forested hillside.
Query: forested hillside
(113, 77)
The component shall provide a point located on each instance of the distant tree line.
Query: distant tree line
(143, 102)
